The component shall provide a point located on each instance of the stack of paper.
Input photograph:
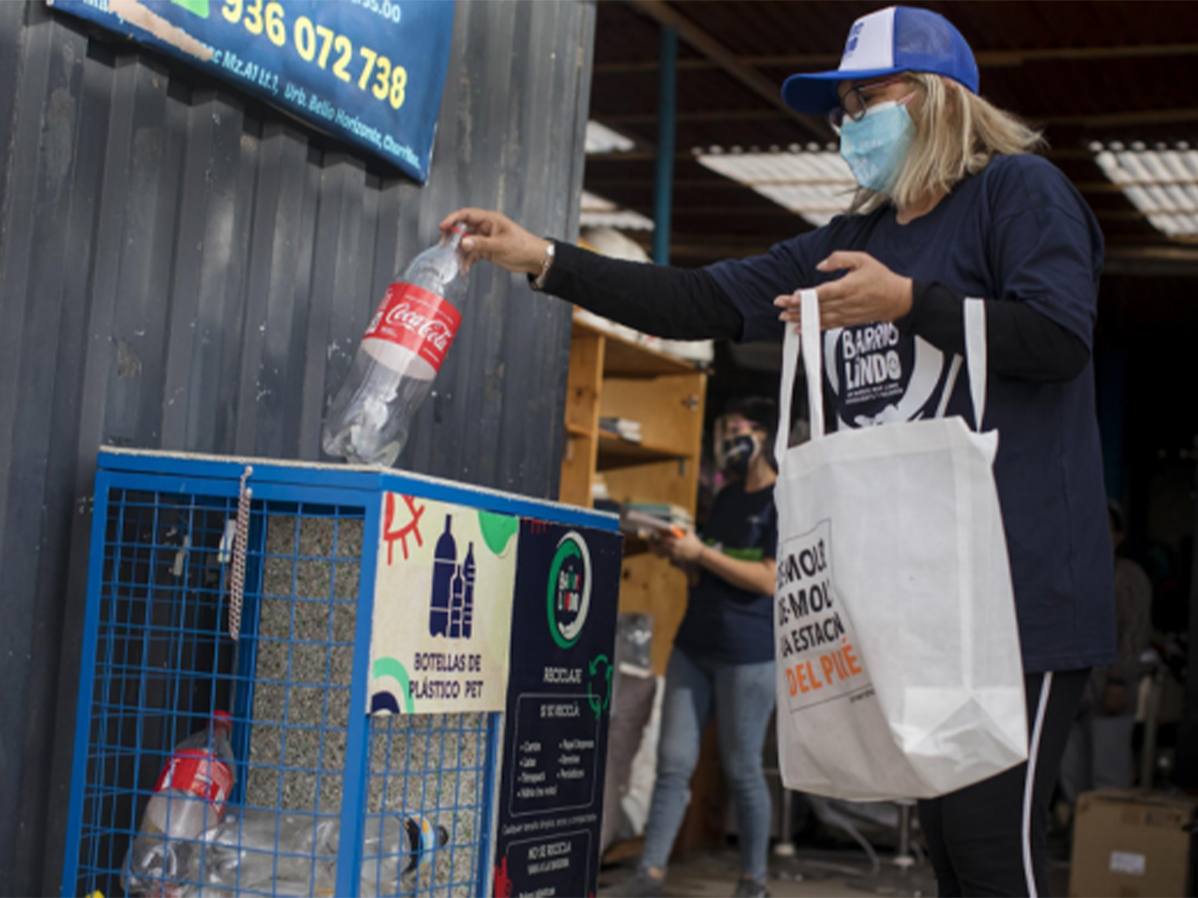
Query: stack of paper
(622, 427)
(599, 488)
(667, 511)
(650, 519)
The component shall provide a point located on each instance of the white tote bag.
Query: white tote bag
(899, 671)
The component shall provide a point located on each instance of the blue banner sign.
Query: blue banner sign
(368, 71)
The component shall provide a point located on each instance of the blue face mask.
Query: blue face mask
(876, 146)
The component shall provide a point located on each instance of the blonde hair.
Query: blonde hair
(956, 135)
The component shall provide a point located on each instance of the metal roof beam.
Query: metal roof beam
(716, 182)
(719, 182)
(985, 58)
(705, 115)
(1127, 119)
(777, 210)
(636, 156)
(1159, 261)
(649, 155)
(662, 13)
(771, 211)
(1102, 120)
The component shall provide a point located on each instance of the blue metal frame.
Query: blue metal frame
(221, 476)
(490, 791)
(266, 492)
(357, 747)
(87, 673)
(215, 481)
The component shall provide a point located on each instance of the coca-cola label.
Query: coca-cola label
(418, 319)
(201, 773)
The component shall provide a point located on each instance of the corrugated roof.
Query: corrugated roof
(1161, 182)
(602, 139)
(1084, 71)
(596, 212)
(816, 185)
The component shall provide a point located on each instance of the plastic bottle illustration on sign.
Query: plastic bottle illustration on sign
(445, 562)
(468, 594)
(466, 574)
(457, 596)
(451, 606)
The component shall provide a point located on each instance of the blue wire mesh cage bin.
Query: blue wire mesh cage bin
(303, 679)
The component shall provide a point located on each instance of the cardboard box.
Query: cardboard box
(1129, 843)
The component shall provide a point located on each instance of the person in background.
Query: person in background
(723, 657)
(1099, 752)
(953, 202)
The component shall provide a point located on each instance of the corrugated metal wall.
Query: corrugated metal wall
(183, 268)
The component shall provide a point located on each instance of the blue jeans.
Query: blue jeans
(743, 696)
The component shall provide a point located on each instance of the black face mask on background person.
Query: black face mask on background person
(737, 453)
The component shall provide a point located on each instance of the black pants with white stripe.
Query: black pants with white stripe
(989, 839)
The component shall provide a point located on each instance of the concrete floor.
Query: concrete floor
(810, 874)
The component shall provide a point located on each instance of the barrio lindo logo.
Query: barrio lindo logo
(569, 592)
(815, 641)
(417, 319)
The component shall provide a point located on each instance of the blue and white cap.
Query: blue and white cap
(896, 39)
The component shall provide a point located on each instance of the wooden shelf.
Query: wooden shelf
(626, 359)
(614, 377)
(623, 358)
(618, 453)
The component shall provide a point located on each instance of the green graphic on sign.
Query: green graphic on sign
(195, 7)
(601, 671)
(386, 700)
(497, 530)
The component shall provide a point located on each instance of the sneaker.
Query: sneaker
(750, 888)
(641, 886)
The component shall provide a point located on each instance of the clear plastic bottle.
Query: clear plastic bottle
(399, 356)
(259, 850)
(189, 798)
(395, 848)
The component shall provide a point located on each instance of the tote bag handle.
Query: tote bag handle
(975, 357)
(812, 353)
(810, 346)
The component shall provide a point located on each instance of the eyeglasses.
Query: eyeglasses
(854, 104)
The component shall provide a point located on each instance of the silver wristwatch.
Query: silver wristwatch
(538, 282)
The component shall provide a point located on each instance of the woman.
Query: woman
(952, 204)
(723, 657)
